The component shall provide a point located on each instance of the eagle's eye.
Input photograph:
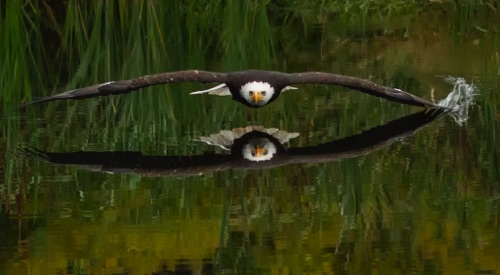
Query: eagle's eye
(265, 151)
(251, 92)
(263, 93)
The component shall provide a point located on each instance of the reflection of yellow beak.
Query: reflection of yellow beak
(259, 151)
(257, 96)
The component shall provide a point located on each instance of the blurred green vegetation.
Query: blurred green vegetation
(427, 204)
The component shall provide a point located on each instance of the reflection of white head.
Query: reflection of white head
(257, 93)
(259, 149)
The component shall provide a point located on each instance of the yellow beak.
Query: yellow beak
(257, 96)
(259, 151)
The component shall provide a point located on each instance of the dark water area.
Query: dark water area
(157, 181)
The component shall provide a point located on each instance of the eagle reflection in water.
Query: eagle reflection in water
(253, 147)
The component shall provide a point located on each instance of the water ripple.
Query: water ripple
(460, 99)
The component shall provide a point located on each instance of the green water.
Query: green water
(428, 203)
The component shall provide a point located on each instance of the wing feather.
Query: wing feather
(126, 86)
(362, 85)
(220, 90)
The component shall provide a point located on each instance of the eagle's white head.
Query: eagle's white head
(259, 149)
(257, 93)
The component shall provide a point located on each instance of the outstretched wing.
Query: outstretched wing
(362, 85)
(126, 86)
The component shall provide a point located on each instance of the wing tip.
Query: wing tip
(35, 102)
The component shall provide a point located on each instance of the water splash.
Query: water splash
(460, 99)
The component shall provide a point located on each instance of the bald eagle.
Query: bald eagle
(253, 88)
